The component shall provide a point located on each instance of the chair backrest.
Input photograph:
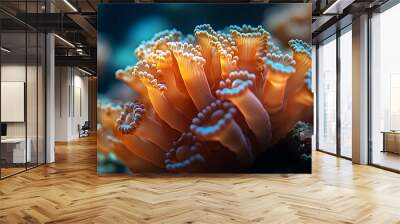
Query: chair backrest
(86, 125)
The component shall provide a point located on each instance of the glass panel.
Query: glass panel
(31, 98)
(13, 86)
(385, 84)
(346, 94)
(23, 90)
(41, 98)
(32, 84)
(313, 79)
(327, 96)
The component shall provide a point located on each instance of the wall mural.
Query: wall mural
(204, 88)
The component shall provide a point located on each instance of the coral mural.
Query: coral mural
(211, 101)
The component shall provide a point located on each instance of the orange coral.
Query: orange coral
(190, 63)
(129, 158)
(302, 55)
(280, 69)
(136, 120)
(192, 155)
(216, 123)
(236, 88)
(211, 102)
(299, 107)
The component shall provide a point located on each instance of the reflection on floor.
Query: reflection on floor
(387, 159)
(10, 171)
(70, 191)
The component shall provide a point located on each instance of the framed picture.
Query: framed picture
(204, 88)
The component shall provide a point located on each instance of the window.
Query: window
(346, 75)
(385, 89)
(22, 76)
(327, 96)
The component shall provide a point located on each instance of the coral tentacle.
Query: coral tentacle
(134, 119)
(216, 123)
(131, 160)
(191, 155)
(169, 71)
(207, 39)
(237, 89)
(280, 68)
(107, 114)
(175, 118)
(129, 79)
(250, 42)
(299, 108)
(302, 55)
(142, 148)
(191, 64)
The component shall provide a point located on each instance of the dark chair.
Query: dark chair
(84, 130)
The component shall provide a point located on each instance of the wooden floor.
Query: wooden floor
(5, 172)
(69, 191)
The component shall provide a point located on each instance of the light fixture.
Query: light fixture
(64, 40)
(79, 51)
(70, 5)
(84, 71)
(5, 50)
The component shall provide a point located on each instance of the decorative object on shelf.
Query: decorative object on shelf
(391, 141)
(84, 129)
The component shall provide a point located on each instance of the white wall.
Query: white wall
(15, 73)
(33, 127)
(71, 102)
(12, 73)
(81, 102)
(61, 103)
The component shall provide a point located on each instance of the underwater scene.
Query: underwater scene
(204, 88)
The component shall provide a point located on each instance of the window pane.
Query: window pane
(31, 97)
(346, 94)
(41, 98)
(385, 84)
(327, 96)
(15, 150)
(314, 89)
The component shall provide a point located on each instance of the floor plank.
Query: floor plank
(69, 191)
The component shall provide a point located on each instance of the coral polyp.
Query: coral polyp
(211, 102)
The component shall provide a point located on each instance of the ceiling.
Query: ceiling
(76, 21)
(332, 15)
